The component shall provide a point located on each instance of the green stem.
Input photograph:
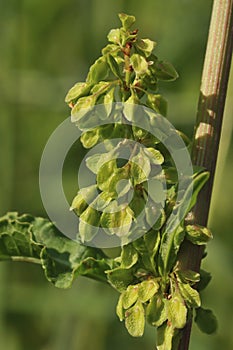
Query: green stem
(25, 259)
(208, 125)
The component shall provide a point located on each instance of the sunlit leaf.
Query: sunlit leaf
(156, 311)
(177, 311)
(147, 289)
(126, 20)
(139, 64)
(130, 296)
(198, 234)
(77, 91)
(146, 45)
(190, 295)
(99, 71)
(135, 320)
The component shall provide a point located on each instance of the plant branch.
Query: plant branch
(208, 124)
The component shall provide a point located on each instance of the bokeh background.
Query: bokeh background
(46, 46)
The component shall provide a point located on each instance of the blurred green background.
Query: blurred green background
(46, 46)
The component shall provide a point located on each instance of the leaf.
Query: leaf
(155, 155)
(137, 203)
(198, 234)
(155, 216)
(99, 71)
(119, 309)
(114, 36)
(147, 289)
(82, 107)
(129, 256)
(157, 103)
(192, 192)
(105, 174)
(89, 224)
(38, 240)
(84, 197)
(177, 311)
(140, 168)
(118, 222)
(164, 70)
(206, 320)
(146, 45)
(114, 66)
(120, 278)
(187, 276)
(90, 138)
(135, 320)
(130, 296)
(156, 311)
(165, 334)
(139, 64)
(169, 248)
(190, 295)
(152, 240)
(205, 278)
(156, 190)
(77, 91)
(126, 20)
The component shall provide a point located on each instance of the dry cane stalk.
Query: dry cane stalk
(208, 125)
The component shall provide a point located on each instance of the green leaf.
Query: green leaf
(114, 36)
(147, 289)
(139, 64)
(188, 199)
(177, 311)
(89, 224)
(105, 174)
(118, 179)
(135, 320)
(99, 71)
(110, 48)
(129, 256)
(205, 278)
(114, 66)
(77, 91)
(130, 296)
(198, 234)
(165, 334)
(187, 276)
(137, 204)
(146, 45)
(38, 240)
(126, 20)
(85, 196)
(119, 309)
(169, 248)
(82, 107)
(140, 168)
(156, 190)
(90, 138)
(157, 103)
(120, 278)
(118, 222)
(155, 155)
(156, 311)
(152, 212)
(206, 320)
(190, 295)
(164, 70)
(152, 240)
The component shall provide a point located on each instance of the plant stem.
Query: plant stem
(208, 125)
(25, 259)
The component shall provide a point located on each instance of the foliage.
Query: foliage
(146, 273)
